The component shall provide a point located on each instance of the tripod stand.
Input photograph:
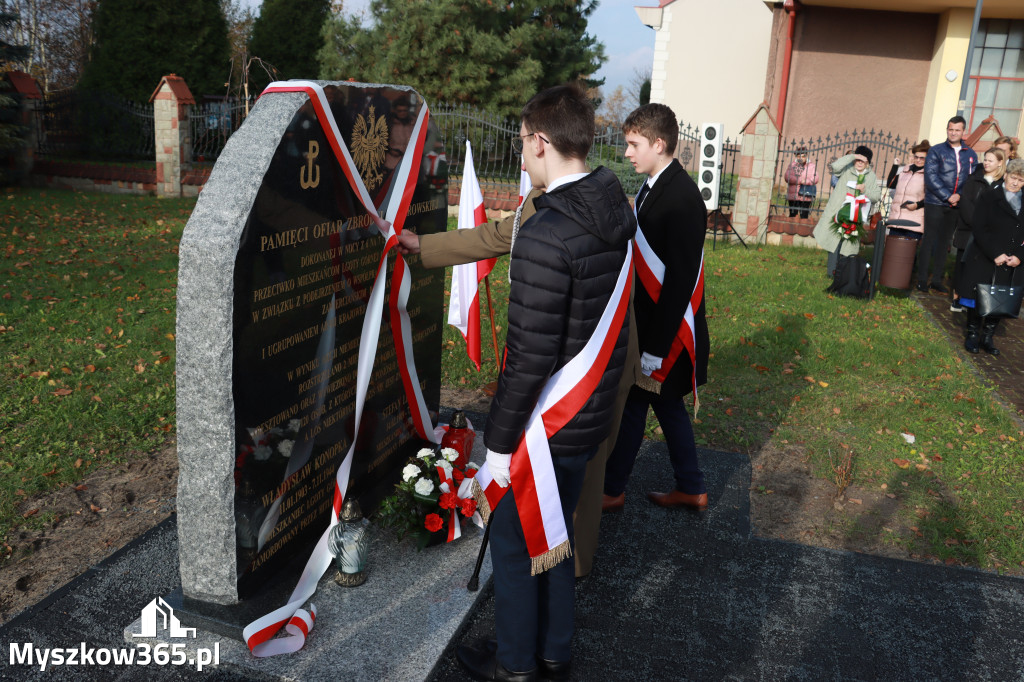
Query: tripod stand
(716, 215)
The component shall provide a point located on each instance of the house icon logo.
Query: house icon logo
(159, 614)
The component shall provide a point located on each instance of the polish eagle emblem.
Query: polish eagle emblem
(369, 146)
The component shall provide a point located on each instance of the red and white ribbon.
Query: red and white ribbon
(651, 272)
(564, 395)
(259, 634)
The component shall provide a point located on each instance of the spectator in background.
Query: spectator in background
(802, 181)
(987, 176)
(907, 183)
(946, 169)
(998, 247)
(1008, 145)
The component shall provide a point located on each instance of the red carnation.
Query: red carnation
(467, 506)
(433, 523)
(470, 472)
(448, 500)
(457, 476)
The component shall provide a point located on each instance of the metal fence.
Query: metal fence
(94, 125)
(822, 152)
(101, 125)
(211, 123)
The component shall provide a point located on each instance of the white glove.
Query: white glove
(500, 467)
(649, 363)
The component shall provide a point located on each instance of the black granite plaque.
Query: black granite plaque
(306, 263)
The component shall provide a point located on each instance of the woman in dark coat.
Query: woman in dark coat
(987, 176)
(998, 248)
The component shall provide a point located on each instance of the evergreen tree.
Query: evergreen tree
(466, 51)
(139, 41)
(12, 133)
(287, 36)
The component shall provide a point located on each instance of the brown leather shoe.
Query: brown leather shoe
(678, 499)
(613, 504)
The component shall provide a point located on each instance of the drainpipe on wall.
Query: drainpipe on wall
(966, 76)
(789, 6)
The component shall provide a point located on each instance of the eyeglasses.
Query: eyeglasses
(517, 142)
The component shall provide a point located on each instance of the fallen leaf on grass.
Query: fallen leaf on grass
(836, 410)
(82, 486)
(854, 500)
(90, 368)
(39, 375)
(62, 392)
(78, 463)
(30, 512)
(823, 384)
(96, 509)
(901, 463)
(921, 467)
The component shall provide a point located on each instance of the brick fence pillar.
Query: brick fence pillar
(171, 101)
(758, 154)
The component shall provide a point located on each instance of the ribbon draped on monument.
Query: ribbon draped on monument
(296, 620)
(651, 272)
(532, 471)
(464, 303)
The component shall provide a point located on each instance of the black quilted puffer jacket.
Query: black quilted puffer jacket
(565, 262)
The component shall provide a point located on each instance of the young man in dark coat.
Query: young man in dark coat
(565, 350)
(669, 305)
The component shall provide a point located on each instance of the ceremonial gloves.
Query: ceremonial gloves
(500, 467)
(649, 363)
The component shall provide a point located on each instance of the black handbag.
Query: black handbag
(807, 191)
(852, 276)
(999, 300)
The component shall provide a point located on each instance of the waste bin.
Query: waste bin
(897, 262)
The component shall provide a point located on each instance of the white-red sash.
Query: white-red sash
(532, 471)
(258, 634)
(651, 272)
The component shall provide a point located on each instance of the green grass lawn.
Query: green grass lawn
(87, 302)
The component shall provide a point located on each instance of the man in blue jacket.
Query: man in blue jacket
(946, 169)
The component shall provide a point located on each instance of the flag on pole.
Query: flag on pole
(464, 304)
(525, 184)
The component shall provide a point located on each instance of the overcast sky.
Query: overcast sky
(628, 44)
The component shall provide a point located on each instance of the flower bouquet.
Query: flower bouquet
(426, 502)
(852, 216)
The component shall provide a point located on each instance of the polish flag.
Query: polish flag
(525, 184)
(464, 304)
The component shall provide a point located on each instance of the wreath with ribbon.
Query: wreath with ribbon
(852, 217)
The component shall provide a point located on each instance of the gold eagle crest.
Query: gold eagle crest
(369, 146)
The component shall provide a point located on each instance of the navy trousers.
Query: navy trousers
(533, 614)
(939, 226)
(675, 424)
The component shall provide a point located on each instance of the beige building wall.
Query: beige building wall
(946, 72)
(709, 58)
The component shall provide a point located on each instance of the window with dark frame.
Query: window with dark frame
(996, 86)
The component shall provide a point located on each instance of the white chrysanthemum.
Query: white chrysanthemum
(286, 447)
(263, 453)
(294, 424)
(410, 472)
(450, 454)
(424, 486)
(425, 453)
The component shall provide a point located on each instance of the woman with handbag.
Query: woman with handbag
(992, 258)
(907, 183)
(987, 176)
(802, 184)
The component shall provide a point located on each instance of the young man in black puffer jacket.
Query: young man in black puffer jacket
(567, 336)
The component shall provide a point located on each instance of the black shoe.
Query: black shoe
(923, 288)
(939, 288)
(971, 343)
(557, 671)
(481, 662)
(987, 332)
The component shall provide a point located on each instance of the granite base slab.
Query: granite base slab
(395, 626)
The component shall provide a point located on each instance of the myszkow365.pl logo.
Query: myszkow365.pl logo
(156, 616)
